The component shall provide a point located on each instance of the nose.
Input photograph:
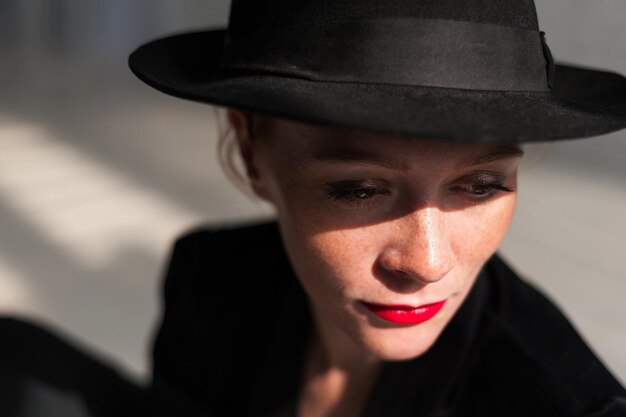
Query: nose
(420, 247)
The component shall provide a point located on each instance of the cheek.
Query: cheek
(474, 234)
(317, 240)
(333, 265)
(478, 231)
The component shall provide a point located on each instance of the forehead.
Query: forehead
(300, 142)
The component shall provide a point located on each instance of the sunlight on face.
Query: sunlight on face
(372, 218)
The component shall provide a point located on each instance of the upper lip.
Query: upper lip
(401, 306)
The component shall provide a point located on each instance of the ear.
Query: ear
(249, 151)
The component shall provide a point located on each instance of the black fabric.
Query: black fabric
(247, 15)
(508, 351)
(197, 334)
(43, 374)
(408, 51)
(474, 71)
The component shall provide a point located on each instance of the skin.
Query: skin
(420, 236)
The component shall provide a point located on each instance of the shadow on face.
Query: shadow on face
(367, 217)
(422, 173)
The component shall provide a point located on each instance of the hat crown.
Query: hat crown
(252, 15)
(468, 44)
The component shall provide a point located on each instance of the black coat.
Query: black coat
(507, 352)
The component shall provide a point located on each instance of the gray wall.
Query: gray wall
(99, 173)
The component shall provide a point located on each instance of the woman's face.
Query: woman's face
(372, 218)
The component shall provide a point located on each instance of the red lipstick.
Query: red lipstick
(404, 314)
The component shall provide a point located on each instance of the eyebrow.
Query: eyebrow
(500, 153)
(357, 156)
(363, 156)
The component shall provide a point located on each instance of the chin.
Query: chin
(402, 344)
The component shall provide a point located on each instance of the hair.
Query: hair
(228, 151)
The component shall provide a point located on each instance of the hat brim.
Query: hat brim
(582, 103)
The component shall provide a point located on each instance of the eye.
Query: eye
(481, 186)
(483, 191)
(352, 193)
(356, 194)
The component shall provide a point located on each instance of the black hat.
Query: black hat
(475, 71)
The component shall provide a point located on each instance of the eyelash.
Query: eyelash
(492, 190)
(347, 193)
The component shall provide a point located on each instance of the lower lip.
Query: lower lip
(406, 315)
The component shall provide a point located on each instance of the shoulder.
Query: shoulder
(214, 254)
(237, 239)
(220, 267)
(215, 277)
(530, 354)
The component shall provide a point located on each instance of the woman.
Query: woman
(387, 135)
